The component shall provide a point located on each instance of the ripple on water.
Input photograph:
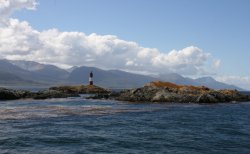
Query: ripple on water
(83, 126)
(50, 109)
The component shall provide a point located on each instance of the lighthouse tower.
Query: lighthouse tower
(91, 78)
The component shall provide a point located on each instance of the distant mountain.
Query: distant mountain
(108, 78)
(212, 83)
(26, 72)
(177, 79)
(204, 81)
(33, 73)
(48, 72)
(27, 65)
(71, 69)
(13, 75)
(6, 76)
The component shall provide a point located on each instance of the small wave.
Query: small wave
(31, 112)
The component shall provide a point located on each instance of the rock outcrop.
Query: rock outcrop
(82, 89)
(45, 94)
(152, 92)
(10, 94)
(53, 92)
(168, 92)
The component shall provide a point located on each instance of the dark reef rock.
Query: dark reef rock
(109, 95)
(168, 92)
(53, 92)
(10, 94)
(82, 89)
(45, 94)
(153, 92)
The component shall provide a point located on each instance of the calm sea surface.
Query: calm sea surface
(76, 125)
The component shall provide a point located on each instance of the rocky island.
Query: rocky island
(157, 91)
(168, 92)
(53, 92)
(11, 94)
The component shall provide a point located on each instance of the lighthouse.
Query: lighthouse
(91, 78)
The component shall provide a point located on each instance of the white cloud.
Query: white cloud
(19, 41)
(241, 81)
(190, 60)
(9, 6)
(216, 63)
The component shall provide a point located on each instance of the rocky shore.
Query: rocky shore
(53, 92)
(152, 92)
(168, 92)
(81, 89)
(10, 94)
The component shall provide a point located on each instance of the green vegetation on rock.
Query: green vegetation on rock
(81, 89)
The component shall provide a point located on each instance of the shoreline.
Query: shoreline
(153, 92)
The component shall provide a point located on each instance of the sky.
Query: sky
(191, 37)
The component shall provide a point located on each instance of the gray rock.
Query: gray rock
(45, 94)
(206, 98)
(158, 92)
(165, 96)
(10, 94)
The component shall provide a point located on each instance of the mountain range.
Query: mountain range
(30, 73)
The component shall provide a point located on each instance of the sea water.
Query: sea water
(77, 125)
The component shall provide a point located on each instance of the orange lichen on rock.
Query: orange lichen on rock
(159, 91)
(228, 92)
(160, 84)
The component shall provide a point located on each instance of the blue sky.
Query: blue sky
(190, 37)
(221, 28)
